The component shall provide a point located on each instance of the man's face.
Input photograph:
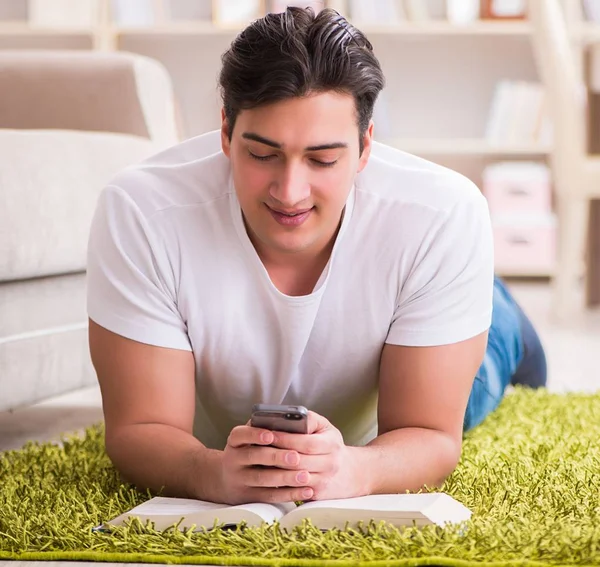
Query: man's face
(293, 165)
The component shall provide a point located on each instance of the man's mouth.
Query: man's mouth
(290, 213)
(290, 218)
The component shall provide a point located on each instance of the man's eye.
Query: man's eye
(261, 158)
(320, 163)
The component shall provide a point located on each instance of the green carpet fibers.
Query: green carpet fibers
(530, 474)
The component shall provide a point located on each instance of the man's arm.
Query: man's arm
(443, 308)
(148, 396)
(423, 395)
(148, 402)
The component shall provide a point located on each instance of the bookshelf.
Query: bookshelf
(441, 76)
(436, 26)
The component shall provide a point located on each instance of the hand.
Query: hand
(335, 470)
(272, 466)
(253, 470)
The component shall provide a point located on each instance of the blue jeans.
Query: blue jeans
(514, 355)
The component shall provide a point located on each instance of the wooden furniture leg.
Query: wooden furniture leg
(592, 292)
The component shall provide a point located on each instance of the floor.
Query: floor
(573, 352)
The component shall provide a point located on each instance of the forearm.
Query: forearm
(159, 457)
(406, 459)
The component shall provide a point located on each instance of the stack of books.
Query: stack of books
(518, 115)
(77, 14)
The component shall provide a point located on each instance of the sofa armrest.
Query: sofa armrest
(87, 90)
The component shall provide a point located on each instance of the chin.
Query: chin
(288, 243)
(291, 247)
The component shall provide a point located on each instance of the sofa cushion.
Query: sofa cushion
(41, 306)
(38, 367)
(49, 183)
(43, 339)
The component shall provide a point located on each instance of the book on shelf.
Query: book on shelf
(138, 12)
(236, 12)
(189, 10)
(382, 12)
(422, 509)
(462, 12)
(417, 10)
(504, 9)
(61, 13)
(518, 114)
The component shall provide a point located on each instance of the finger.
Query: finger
(281, 458)
(248, 435)
(268, 457)
(271, 477)
(279, 495)
(314, 444)
(317, 423)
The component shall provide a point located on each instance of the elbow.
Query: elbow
(117, 449)
(450, 453)
(112, 442)
(113, 456)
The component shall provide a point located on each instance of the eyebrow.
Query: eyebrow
(278, 146)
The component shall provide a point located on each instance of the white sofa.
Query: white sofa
(68, 122)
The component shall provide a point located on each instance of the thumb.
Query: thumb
(316, 423)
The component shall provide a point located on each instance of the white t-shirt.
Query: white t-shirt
(170, 264)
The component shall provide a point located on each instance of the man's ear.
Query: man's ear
(225, 142)
(367, 145)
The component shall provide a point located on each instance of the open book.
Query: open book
(398, 509)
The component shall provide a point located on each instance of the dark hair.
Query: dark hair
(294, 53)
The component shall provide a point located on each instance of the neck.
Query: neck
(295, 273)
(295, 260)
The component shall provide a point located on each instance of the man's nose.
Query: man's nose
(291, 186)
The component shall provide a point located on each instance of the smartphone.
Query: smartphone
(292, 419)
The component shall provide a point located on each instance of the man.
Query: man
(291, 259)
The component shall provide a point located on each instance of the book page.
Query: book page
(379, 502)
(185, 507)
(397, 509)
(163, 506)
(268, 512)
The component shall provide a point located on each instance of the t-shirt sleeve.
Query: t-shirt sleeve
(129, 291)
(447, 295)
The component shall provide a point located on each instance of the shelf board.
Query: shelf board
(23, 28)
(586, 31)
(178, 28)
(442, 27)
(465, 146)
(430, 28)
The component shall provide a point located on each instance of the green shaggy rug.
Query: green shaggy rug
(530, 474)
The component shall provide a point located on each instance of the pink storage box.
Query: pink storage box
(525, 245)
(512, 187)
